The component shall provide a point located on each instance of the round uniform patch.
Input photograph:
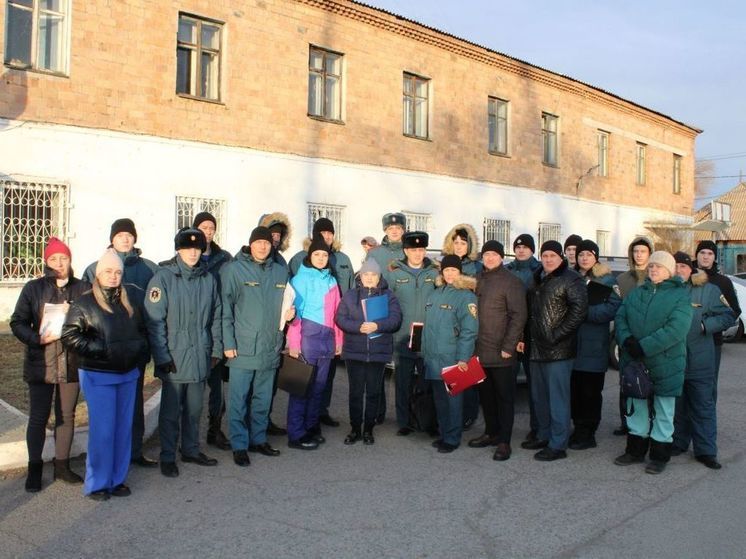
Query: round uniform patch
(155, 295)
(617, 290)
(472, 309)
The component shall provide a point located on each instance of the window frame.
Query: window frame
(603, 240)
(199, 50)
(333, 212)
(501, 228)
(641, 164)
(550, 136)
(36, 12)
(497, 102)
(216, 206)
(603, 139)
(323, 73)
(676, 173)
(418, 217)
(413, 116)
(554, 228)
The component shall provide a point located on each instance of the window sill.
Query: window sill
(33, 70)
(499, 154)
(203, 99)
(550, 165)
(422, 138)
(324, 119)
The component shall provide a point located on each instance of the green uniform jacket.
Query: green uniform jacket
(659, 316)
(412, 292)
(450, 325)
(252, 303)
(183, 314)
(387, 255)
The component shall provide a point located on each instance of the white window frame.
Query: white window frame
(187, 207)
(602, 142)
(641, 158)
(603, 240)
(412, 104)
(549, 232)
(37, 14)
(31, 212)
(333, 114)
(333, 212)
(498, 125)
(550, 138)
(676, 173)
(494, 229)
(195, 78)
(418, 221)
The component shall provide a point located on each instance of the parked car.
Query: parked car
(735, 333)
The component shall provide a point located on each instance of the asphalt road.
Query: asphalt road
(400, 498)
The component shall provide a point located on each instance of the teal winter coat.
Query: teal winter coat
(524, 269)
(412, 288)
(387, 254)
(659, 317)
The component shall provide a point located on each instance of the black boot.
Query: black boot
(368, 437)
(660, 454)
(637, 448)
(353, 437)
(215, 436)
(62, 471)
(33, 479)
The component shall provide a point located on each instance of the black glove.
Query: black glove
(166, 368)
(633, 347)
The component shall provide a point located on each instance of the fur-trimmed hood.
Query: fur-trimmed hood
(699, 278)
(336, 245)
(637, 240)
(268, 220)
(473, 241)
(599, 270)
(461, 282)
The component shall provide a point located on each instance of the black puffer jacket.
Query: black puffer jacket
(49, 363)
(558, 304)
(107, 342)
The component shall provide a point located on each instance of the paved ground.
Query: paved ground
(400, 498)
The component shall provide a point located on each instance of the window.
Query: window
(641, 157)
(417, 221)
(676, 174)
(187, 207)
(415, 106)
(31, 213)
(602, 138)
(198, 58)
(603, 242)
(36, 34)
(549, 232)
(329, 211)
(497, 122)
(325, 84)
(740, 263)
(549, 134)
(496, 230)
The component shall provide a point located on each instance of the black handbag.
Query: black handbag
(636, 381)
(294, 375)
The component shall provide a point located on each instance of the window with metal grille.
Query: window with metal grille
(198, 57)
(415, 110)
(497, 123)
(676, 174)
(602, 139)
(603, 240)
(324, 84)
(641, 157)
(37, 35)
(549, 232)
(188, 206)
(497, 230)
(417, 221)
(332, 212)
(31, 213)
(549, 124)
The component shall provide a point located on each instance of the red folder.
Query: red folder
(457, 381)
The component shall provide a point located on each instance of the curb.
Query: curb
(15, 455)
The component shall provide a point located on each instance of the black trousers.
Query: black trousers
(366, 382)
(497, 396)
(41, 395)
(586, 399)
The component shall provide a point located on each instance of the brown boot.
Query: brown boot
(62, 471)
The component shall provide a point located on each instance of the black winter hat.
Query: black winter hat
(573, 241)
(322, 224)
(189, 237)
(707, 245)
(202, 217)
(642, 241)
(394, 219)
(123, 225)
(586, 245)
(553, 246)
(526, 240)
(260, 233)
(318, 243)
(450, 261)
(415, 239)
(493, 246)
(682, 257)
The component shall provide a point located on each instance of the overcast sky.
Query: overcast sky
(685, 58)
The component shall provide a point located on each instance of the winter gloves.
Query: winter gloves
(634, 348)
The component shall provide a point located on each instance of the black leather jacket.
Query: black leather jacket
(558, 304)
(107, 342)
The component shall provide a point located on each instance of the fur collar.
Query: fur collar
(336, 245)
(461, 282)
(699, 278)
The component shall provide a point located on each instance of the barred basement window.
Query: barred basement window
(497, 230)
(187, 207)
(198, 58)
(37, 35)
(31, 213)
(417, 221)
(603, 242)
(325, 84)
(549, 232)
(329, 211)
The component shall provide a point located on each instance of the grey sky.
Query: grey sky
(685, 58)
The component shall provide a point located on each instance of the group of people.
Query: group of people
(206, 317)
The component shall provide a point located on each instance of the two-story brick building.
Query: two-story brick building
(156, 109)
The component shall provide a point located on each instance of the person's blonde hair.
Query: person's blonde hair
(98, 294)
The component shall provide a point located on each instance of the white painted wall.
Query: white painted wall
(113, 175)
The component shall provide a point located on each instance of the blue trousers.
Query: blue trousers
(111, 402)
(181, 407)
(471, 403)
(303, 413)
(405, 368)
(240, 384)
(450, 413)
(525, 362)
(326, 396)
(638, 418)
(550, 392)
(695, 420)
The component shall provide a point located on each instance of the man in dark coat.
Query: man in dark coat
(501, 302)
(558, 304)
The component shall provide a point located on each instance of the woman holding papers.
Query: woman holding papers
(448, 339)
(368, 315)
(50, 371)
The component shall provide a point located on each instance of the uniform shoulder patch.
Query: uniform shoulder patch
(724, 301)
(154, 294)
(616, 289)
(472, 309)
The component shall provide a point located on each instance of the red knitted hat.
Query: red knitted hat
(55, 246)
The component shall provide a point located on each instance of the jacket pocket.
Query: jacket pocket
(247, 342)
